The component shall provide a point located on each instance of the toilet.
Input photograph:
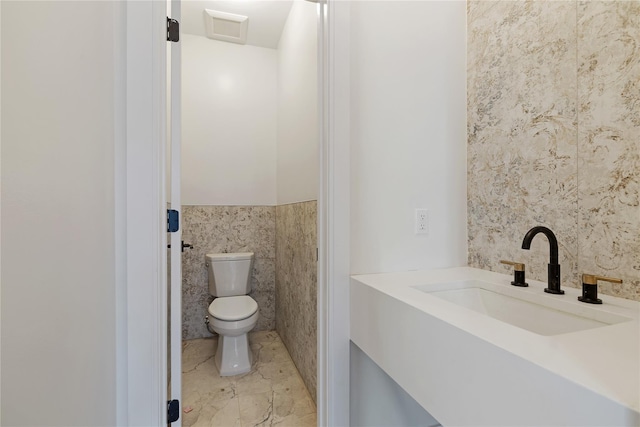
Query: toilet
(233, 313)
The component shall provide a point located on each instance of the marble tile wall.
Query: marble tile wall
(226, 229)
(609, 143)
(296, 286)
(553, 119)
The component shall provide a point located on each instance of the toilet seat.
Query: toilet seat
(232, 309)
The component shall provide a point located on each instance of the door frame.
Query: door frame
(333, 214)
(145, 301)
(174, 167)
(143, 200)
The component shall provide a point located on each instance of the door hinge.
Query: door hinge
(173, 220)
(173, 410)
(173, 30)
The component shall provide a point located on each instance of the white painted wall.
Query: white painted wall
(408, 134)
(58, 235)
(297, 169)
(250, 133)
(408, 151)
(229, 120)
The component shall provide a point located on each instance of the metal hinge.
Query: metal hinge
(173, 220)
(173, 30)
(173, 410)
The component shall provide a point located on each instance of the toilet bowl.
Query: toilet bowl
(233, 313)
(232, 318)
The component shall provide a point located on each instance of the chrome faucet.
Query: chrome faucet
(553, 267)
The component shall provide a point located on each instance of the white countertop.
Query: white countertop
(605, 360)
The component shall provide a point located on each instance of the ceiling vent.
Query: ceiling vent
(227, 27)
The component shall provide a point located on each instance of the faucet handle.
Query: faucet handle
(590, 287)
(517, 266)
(518, 273)
(592, 279)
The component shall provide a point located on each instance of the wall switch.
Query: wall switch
(422, 221)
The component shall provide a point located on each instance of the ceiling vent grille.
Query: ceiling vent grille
(227, 27)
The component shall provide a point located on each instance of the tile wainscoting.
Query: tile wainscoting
(296, 286)
(214, 229)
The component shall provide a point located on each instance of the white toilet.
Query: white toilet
(232, 313)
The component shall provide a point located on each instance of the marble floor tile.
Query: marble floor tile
(215, 413)
(256, 409)
(273, 393)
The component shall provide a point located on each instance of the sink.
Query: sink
(473, 350)
(541, 314)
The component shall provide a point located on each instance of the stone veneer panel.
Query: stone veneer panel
(609, 143)
(214, 229)
(553, 136)
(296, 286)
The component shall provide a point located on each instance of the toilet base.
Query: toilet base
(233, 355)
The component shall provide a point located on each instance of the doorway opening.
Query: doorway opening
(250, 179)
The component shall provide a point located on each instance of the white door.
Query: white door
(173, 187)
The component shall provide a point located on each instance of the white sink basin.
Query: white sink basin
(473, 350)
(542, 314)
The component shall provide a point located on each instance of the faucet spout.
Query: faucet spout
(553, 242)
(553, 267)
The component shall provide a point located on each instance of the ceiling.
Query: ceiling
(266, 18)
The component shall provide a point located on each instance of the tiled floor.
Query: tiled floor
(271, 394)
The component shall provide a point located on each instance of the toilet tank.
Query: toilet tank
(229, 274)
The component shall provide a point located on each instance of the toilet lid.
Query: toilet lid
(233, 308)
